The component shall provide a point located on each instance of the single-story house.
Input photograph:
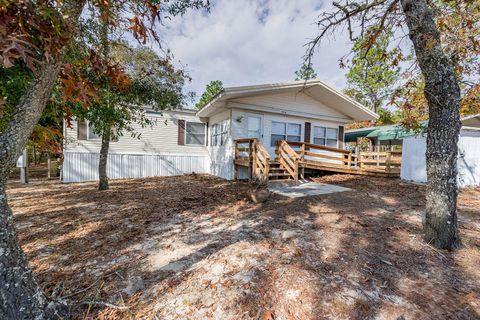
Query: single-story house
(202, 141)
(413, 146)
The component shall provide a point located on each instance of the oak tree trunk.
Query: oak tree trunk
(443, 95)
(20, 295)
(102, 165)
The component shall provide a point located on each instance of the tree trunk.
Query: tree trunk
(20, 295)
(443, 95)
(102, 165)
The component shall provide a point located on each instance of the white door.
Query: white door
(254, 127)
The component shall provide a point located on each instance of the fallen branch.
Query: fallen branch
(441, 254)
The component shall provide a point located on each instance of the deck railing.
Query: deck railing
(294, 157)
(250, 152)
(288, 158)
(322, 157)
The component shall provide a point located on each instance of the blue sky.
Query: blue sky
(244, 42)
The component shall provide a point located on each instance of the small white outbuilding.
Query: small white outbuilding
(414, 160)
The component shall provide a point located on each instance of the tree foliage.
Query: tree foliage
(373, 71)
(306, 72)
(212, 89)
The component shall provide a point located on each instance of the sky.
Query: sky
(245, 42)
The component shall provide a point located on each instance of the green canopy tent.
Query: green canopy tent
(381, 133)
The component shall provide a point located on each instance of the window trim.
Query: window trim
(325, 138)
(286, 135)
(220, 134)
(204, 134)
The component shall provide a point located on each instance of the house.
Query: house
(204, 141)
(413, 147)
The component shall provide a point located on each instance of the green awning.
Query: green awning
(392, 132)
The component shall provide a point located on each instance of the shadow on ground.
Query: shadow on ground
(195, 247)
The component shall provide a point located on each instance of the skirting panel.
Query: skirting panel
(78, 167)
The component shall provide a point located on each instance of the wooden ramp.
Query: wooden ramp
(294, 159)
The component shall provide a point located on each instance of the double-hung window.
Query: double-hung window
(195, 133)
(219, 134)
(325, 136)
(285, 131)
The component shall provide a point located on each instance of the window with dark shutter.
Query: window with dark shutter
(181, 132)
(82, 130)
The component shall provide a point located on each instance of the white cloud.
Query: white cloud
(244, 42)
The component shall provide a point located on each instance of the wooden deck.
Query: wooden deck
(293, 159)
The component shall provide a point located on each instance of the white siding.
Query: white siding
(414, 161)
(157, 152)
(80, 167)
(294, 103)
(239, 128)
(161, 138)
(221, 157)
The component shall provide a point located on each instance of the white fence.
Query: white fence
(78, 167)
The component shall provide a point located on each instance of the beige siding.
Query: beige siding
(295, 103)
(162, 138)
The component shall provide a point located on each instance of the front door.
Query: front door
(254, 127)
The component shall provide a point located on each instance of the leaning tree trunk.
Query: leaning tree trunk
(443, 95)
(102, 165)
(20, 295)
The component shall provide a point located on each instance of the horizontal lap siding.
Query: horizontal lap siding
(161, 138)
(239, 128)
(78, 167)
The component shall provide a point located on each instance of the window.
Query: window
(325, 136)
(195, 133)
(219, 134)
(293, 132)
(91, 132)
(285, 131)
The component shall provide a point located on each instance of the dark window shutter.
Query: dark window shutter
(81, 130)
(341, 136)
(181, 132)
(308, 130)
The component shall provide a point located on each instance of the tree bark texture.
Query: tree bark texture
(20, 295)
(102, 165)
(443, 95)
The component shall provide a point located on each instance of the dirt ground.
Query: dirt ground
(195, 247)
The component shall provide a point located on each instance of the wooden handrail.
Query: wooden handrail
(288, 158)
(316, 146)
(258, 158)
(251, 153)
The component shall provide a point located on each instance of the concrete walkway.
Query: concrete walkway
(304, 189)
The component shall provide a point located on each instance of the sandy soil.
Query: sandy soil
(195, 247)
